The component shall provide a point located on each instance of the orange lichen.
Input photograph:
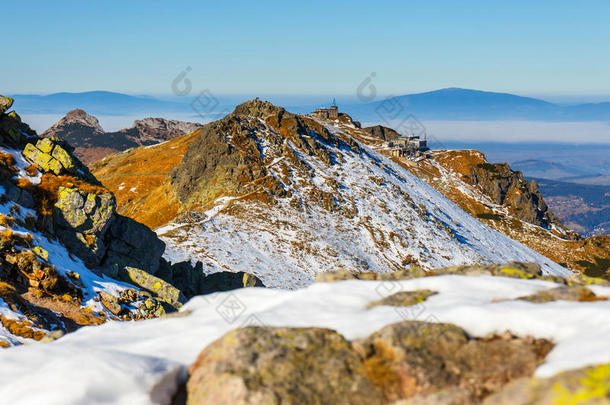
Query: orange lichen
(31, 170)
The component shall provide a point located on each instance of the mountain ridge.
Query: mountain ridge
(92, 142)
(452, 103)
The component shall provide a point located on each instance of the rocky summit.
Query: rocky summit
(91, 142)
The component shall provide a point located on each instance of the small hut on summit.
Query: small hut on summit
(327, 113)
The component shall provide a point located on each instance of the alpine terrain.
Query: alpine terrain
(285, 196)
(91, 142)
(389, 292)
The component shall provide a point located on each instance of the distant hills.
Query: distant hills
(444, 104)
(466, 104)
(95, 102)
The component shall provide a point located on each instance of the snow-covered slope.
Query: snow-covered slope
(142, 362)
(341, 207)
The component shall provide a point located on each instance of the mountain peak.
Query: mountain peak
(75, 117)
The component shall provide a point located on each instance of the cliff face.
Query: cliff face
(92, 143)
(381, 132)
(508, 188)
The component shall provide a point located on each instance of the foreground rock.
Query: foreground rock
(420, 361)
(280, 365)
(588, 386)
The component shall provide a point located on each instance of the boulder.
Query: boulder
(81, 219)
(586, 386)
(111, 302)
(5, 104)
(265, 365)
(413, 358)
(565, 293)
(132, 244)
(50, 156)
(404, 298)
(160, 288)
(13, 131)
(225, 281)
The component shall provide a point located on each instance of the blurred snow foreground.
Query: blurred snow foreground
(145, 362)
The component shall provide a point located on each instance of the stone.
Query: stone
(111, 303)
(586, 386)
(5, 104)
(45, 145)
(404, 298)
(160, 288)
(40, 252)
(266, 365)
(64, 158)
(81, 220)
(414, 358)
(565, 293)
(226, 281)
(132, 244)
(52, 336)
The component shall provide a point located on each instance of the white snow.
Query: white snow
(384, 219)
(21, 165)
(141, 362)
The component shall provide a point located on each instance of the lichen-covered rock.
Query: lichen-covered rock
(5, 104)
(566, 293)
(53, 156)
(160, 288)
(587, 386)
(404, 298)
(413, 358)
(81, 220)
(258, 365)
(153, 308)
(111, 302)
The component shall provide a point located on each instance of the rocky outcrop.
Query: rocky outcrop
(587, 386)
(92, 143)
(13, 132)
(81, 220)
(5, 104)
(381, 132)
(404, 298)
(508, 188)
(132, 244)
(149, 131)
(524, 271)
(280, 365)
(417, 362)
(217, 163)
(160, 288)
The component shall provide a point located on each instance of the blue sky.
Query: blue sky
(542, 48)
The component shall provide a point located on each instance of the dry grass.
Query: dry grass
(23, 182)
(139, 180)
(6, 159)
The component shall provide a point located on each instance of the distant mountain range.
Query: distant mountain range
(95, 102)
(444, 104)
(466, 104)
